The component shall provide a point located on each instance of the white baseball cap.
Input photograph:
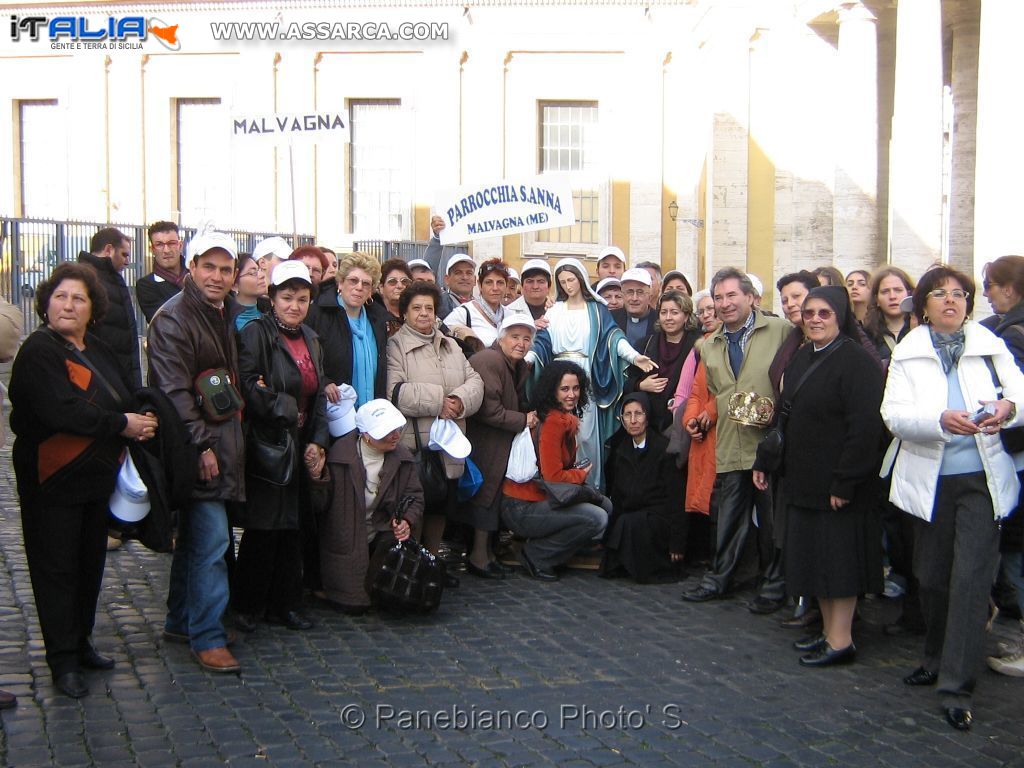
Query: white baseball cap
(130, 500)
(379, 418)
(446, 436)
(535, 265)
(611, 251)
(290, 270)
(637, 275)
(341, 416)
(516, 318)
(756, 282)
(419, 264)
(608, 282)
(275, 246)
(458, 258)
(201, 244)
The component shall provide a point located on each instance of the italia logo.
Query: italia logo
(95, 32)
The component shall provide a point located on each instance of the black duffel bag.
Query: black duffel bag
(406, 577)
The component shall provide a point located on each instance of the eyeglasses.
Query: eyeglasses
(249, 273)
(824, 314)
(170, 245)
(396, 281)
(633, 416)
(634, 292)
(942, 293)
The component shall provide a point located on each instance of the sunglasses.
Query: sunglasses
(824, 314)
(486, 269)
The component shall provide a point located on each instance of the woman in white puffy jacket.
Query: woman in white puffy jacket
(952, 472)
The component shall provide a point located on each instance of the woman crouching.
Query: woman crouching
(366, 473)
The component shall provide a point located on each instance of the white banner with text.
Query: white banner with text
(504, 207)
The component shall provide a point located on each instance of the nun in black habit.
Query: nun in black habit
(647, 490)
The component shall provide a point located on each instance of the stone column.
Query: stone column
(855, 216)
(1000, 162)
(965, 20)
(915, 164)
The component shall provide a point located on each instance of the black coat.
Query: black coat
(263, 354)
(119, 329)
(330, 321)
(168, 466)
(152, 292)
(66, 421)
(834, 430)
(647, 493)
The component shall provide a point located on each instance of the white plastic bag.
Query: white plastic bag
(522, 459)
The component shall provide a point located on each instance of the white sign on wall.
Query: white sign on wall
(286, 128)
(505, 207)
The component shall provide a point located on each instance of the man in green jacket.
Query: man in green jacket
(737, 358)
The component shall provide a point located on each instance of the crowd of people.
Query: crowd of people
(329, 405)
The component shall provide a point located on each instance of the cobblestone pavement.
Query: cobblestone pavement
(584, 672)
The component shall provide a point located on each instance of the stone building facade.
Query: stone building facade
(769, 134)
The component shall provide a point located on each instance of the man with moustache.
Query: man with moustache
(190, 339)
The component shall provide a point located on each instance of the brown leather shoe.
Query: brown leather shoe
(217, 660)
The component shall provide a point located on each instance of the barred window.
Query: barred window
(379, 169)
(568, 144)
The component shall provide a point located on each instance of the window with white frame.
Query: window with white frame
(379, 163)
(568, 144)
(42, 159)
(202, 158)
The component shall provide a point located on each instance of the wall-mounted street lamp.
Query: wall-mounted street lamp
(673, 210)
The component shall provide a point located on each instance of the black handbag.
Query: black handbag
(567, 494)
(270, 454)
(430, 468)
(772, 446)
(406, 577)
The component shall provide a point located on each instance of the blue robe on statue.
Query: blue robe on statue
(598, 354)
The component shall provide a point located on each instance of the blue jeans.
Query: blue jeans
(553, 535)
(198, 593)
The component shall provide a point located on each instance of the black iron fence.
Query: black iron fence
(31, 248)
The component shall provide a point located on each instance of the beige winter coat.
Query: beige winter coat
(428, 370)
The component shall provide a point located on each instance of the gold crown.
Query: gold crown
(751, 409)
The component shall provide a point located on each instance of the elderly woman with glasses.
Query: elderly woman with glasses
(952, 386)
(832, 545)
(353, 339)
